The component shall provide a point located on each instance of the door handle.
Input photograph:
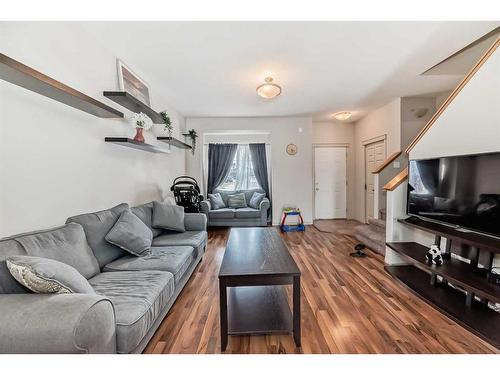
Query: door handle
(317, 189)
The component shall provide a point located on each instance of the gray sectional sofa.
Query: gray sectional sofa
(132, 294)
(239, 217)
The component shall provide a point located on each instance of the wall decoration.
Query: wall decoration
(291, 149)
(133, 84)
(167, 122)
(192, 135)
(140, 122)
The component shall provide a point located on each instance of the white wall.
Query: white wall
(291, 175)
(53, 159)
(383, 121)
(339, 133)
(410, 123)
(471, 123)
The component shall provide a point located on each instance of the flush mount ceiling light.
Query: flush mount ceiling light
(342, 116)
(268, 90)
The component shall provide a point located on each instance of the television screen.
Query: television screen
(458, 190)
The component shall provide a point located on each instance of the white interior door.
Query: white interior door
(330, 182)
(374, 156)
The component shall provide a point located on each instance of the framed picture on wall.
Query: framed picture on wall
(133, 84)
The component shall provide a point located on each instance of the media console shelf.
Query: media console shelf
(478, 318)
(22, 75)
(466, 237)
(457, 272)
(434, 283)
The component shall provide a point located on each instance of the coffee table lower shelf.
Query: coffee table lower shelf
(258, 310)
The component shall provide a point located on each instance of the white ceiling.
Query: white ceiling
(213, 68)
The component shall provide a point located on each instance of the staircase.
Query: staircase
(373, 234)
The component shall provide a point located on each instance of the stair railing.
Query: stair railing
(391, 166)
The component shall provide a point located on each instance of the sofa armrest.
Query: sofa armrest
(57, 323)
(263, 208)
(264, 205)
(206, 206)
(193, 221)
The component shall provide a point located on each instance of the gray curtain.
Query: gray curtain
(259, 163)
(220, 159)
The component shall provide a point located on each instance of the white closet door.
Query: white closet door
(330, 182)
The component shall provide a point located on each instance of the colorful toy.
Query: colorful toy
(292, 211)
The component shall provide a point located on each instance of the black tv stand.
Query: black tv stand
(468, 307)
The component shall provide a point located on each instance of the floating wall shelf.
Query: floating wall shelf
(22, 75)
(128, 101)
(174, 142)
(128, 142)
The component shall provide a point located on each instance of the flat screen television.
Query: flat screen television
(462, 191)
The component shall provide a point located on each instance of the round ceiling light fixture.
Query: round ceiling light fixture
(342, 116)
(269, 90)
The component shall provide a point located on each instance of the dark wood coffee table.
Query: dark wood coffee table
(253, 300)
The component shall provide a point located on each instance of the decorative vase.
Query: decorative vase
(139, 137)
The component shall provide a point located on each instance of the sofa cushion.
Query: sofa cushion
(223, 213)
(247, 213)
(145, 213)
(67, 244)
(174, 259)
(96, 226)
(9, 285)
(216, 201)
(256, 199)
(248, 194)
(43, 275)
(138, 299)
(196, 239)
(130, 234)
(237, 201)
(168, 217)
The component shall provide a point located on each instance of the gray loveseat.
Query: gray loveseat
(239, 217)
(133, 294)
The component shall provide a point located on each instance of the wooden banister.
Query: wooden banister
(454, 94)
(386, 162)
(397, 180)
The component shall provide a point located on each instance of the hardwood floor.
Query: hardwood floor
(349, 305)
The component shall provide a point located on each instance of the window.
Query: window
(416, 181)
(241, 175)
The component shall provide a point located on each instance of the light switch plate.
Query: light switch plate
(396, 164)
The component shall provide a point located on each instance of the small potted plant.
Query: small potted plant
(140, 121)
(192, 135)
(167, 122)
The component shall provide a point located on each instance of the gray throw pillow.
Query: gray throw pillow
(168, 216)
(131, 234)
(43, 275)
(237, 200)
(256, 199)
(216, 201)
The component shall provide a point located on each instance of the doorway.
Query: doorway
(330, 180)
(374, 156)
